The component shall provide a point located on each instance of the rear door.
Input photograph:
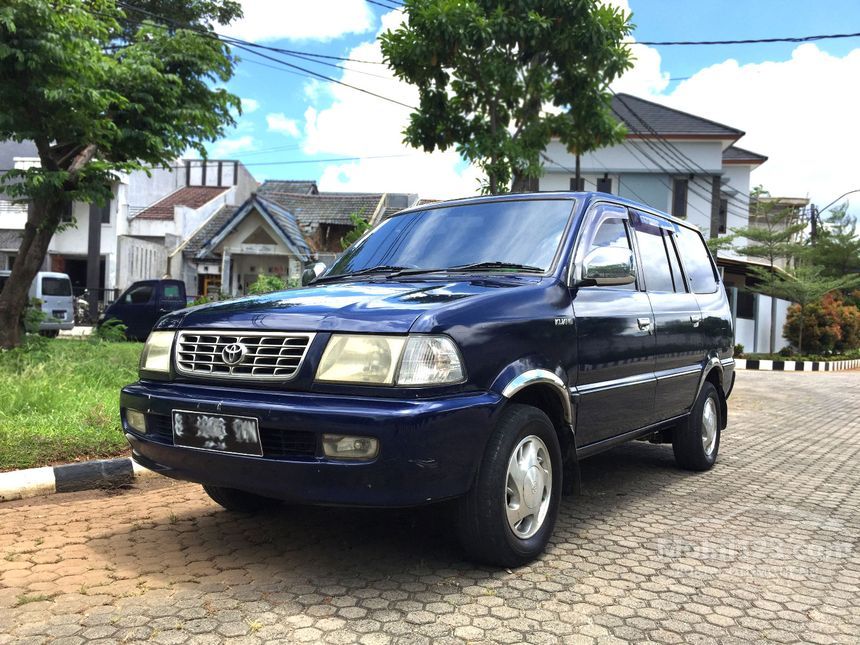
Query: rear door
(615, 343)
(55, 292)
(677, 320)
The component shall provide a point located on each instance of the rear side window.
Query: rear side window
(655, 262)
(171, 292)
(139, 295)
(56, 287)
(697, 261)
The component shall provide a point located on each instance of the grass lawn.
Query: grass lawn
(59, 400)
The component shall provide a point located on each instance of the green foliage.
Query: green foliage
(837, 249)
(488, 72)
(774, 236)
(266, 283)
(100, 93)
(739, 350)
(33, 316)
(360, 226)
(112, 331)
(205, 300)
(829, 325)
(717, 244)
(804, 286)
(59, 400)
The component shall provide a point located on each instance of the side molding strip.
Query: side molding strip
(534, 377)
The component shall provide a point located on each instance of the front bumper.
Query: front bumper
(429, 448)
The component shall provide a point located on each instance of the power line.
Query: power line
(744, 41)
(384, 5)
(249, 47)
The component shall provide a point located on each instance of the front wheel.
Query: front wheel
(509, 515)
(239, 500)
(697, 441)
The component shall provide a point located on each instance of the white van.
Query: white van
(54, 290)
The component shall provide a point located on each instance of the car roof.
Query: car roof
(586, 197)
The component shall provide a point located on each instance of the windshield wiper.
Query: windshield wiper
(477, 266)
(496, 265)
(379, 268)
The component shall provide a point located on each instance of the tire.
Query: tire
(50, 333)
(485, 530)
(697, 441)
(238, 500)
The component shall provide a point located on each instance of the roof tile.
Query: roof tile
(190, 196)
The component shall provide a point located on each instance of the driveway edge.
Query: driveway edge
(67, 478)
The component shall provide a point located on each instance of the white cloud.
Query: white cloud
(250, 105)
(267, 20)
(799, 112)
(230, 147)
(279, 122)
(357, 124)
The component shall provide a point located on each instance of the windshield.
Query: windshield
(500, 234)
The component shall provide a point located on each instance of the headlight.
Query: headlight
(391, 360)
(361, 359)
(155, 359)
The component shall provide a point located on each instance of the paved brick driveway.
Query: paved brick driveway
(764, 547)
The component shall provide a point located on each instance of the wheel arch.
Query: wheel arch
(546, 391)
(713, 373)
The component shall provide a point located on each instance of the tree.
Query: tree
(837, 247)
(498, 79)
(101, 92)
(805, 286)
(360, 226)
(772, 237)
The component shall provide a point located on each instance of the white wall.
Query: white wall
(637, 156)
(139, 260)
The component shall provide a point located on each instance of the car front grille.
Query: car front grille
(264, 356)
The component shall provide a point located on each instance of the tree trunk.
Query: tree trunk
(34, 246)
(800, 332)
(520, 183)
(577, 174)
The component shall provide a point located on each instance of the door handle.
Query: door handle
(644, 323)
(696, 319)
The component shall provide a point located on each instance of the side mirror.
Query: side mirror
(312, 273)
(607, 266)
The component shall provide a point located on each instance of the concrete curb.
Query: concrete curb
(796, 366)
(67, 478)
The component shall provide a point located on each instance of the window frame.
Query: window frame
(593, 219)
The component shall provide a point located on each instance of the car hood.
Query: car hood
(390, 306)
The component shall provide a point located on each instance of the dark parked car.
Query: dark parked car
(143, 303)
(473, 350)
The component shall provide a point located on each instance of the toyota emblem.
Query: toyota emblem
(234, 354)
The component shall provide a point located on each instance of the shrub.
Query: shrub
(112, 331)
(269, 283)
(33, 316)
(829, 325)
(739, 351)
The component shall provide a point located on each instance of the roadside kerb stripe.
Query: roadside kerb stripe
(796, 366)
(67, 478)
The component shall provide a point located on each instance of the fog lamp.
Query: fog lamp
(136, 420)
(338, 446)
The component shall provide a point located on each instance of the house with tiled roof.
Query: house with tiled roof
(278, 230)
(693, 168)
(107, 247)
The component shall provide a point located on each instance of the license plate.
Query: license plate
(59, 314)
(217, 432)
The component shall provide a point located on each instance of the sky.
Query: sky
(798, 104)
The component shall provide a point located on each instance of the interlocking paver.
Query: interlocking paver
(765, 547)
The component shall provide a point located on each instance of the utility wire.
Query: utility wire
(384, 5)
(744, 41)
(249, 47)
